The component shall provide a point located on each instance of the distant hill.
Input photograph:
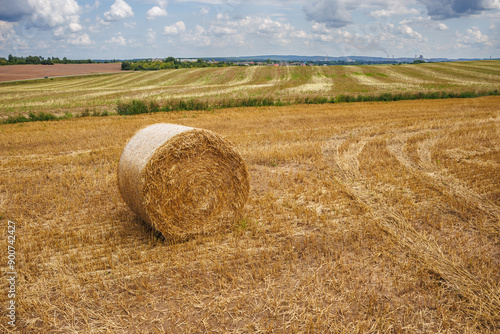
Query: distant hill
(357, 59)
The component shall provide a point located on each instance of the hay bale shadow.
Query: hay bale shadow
(135, 227)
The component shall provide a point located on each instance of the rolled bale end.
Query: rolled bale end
(183, 181)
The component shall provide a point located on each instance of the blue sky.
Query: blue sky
(81, 29)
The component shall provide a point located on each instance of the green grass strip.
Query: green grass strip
(135, 107)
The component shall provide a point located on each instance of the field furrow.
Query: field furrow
(377, 190)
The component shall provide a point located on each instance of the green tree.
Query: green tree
(172, 60)
(126, 66)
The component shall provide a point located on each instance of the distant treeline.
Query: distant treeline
(168, 63)
(173, 63)
(37, 60)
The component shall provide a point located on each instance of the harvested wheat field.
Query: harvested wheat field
(213, 86)
(369, 217)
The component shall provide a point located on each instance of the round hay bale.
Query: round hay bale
(183, 181)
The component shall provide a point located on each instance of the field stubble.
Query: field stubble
(287, 84)
(362, 218)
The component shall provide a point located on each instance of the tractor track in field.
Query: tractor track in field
(345, 153)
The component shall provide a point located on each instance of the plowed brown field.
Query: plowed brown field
(23, 72)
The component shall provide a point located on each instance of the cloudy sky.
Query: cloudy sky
(81, 29)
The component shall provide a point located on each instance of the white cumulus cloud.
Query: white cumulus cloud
(155, 12)
(175, 29)
(320, 28)
(79, 39)
(400, 10)
(472, 37)
(229, 30)
(55, 13)
(151, 36)
(409, 32)
(441, 26)
(62, 16)
(6, 33)
(119, 10)
(118, 40)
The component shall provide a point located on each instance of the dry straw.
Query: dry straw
(183, 181)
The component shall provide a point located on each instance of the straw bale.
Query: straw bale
(183, 181)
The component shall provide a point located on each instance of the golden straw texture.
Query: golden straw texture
(183, 181)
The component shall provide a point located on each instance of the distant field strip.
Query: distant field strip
(101, 92)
